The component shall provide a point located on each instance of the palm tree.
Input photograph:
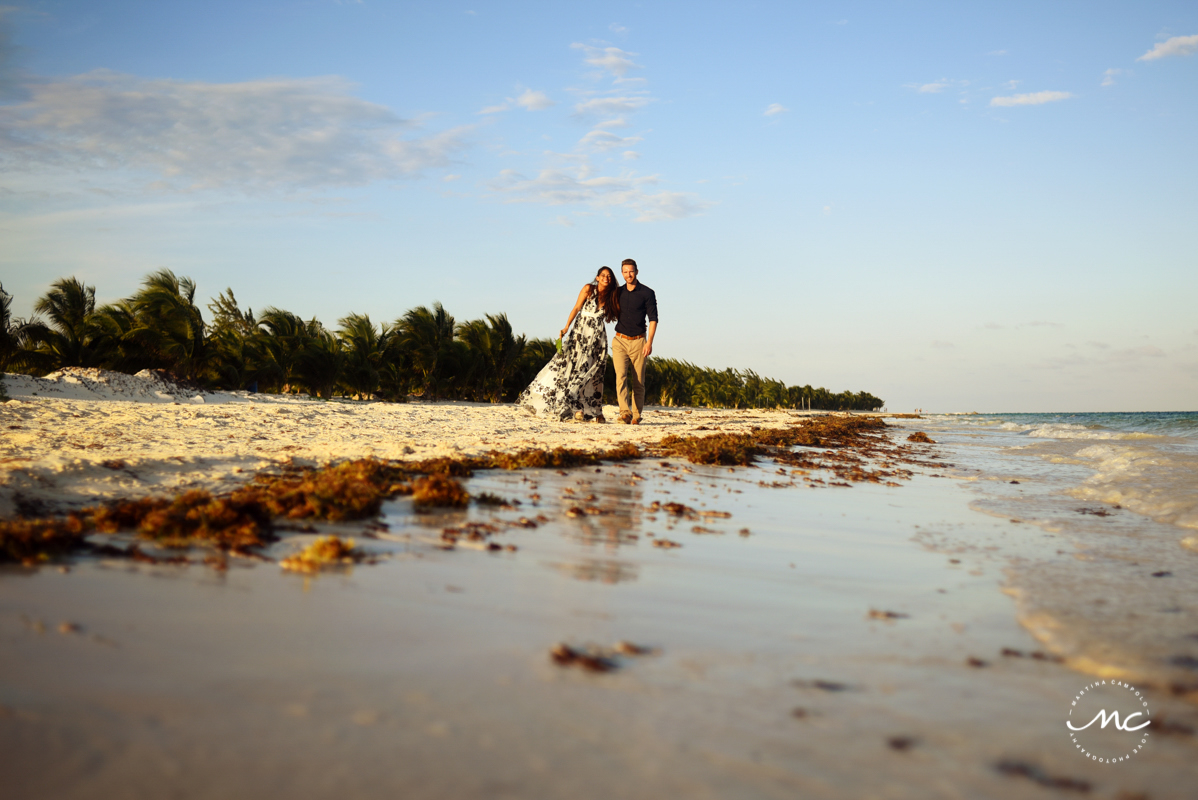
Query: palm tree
(66, 340)
(17, 337)
(494, 352)
(427, 336)
(170, 328)
(320, 362)
(364, 346)
(283, 336)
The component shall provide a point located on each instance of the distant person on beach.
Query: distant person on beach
(570, 386)
(633, 342)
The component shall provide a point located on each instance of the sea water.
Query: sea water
(1146, 463)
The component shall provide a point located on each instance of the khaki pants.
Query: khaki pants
(628, 357)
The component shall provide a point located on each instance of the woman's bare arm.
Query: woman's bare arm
(582, 298)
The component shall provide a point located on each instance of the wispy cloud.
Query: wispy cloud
(577, 185)
(1177, 46)
(577, 177)
(254, 135)
(605, 140)
(530, 100)
(606, 106)
(534, 101)
(1030, 99)
(1108, 77)
(610, 59)
(997, 53)
(936, 87)
(775, 108)
(617, 29)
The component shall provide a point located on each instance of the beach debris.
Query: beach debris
(822, 685)
(1165, 725)
(1023, 769)
(1095, 512)
(488, 499)
(799, 712)
(901, 743)
(68, 628)
(920, 436)
(886, 616)
(701, 529)
(438, 490)
(1164, 573)
(565, 656)
(665, 544)
(597, 659)
(325, 552)
(744, 533)
(976, 662)
(1190, 543)
(1014, 482)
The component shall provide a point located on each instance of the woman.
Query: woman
(571, 384)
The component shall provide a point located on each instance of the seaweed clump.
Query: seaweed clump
(338, 493)
(327, 551)
(439, 490)
(34, 541)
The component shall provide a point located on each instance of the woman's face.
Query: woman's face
(604, 278)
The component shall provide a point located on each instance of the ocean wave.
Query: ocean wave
(1068, 431)
(1152, 481)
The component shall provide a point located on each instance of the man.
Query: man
(633, 343)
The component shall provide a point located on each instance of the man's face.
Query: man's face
(629, 272)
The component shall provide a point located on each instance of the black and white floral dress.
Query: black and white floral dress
(572, 381)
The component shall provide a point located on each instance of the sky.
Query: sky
(956, 207)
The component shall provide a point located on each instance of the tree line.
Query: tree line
(425, 352)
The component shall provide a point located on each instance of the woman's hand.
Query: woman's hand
(562, 335)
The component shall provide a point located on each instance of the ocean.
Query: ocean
(1146, 463)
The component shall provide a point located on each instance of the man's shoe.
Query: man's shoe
(600, 419)
(635, 421)
(625, 417)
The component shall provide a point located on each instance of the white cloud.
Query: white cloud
(604, 141)
(775, 108)
(1030, 99)
(611, 59)
(450, 177)
(577, 186)
(605, 106)
(563, 221)
(530, 100)
(254, 135)
(997, 53)
(534, 101)
(631, 155)
(1108, 77)
(617, 29)
(1177, 46)
(934, 88)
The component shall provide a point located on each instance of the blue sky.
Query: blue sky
(953, 206)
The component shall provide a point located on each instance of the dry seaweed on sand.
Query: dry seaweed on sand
(35, 541)
(324, 553)
(439, 490)
(920, 436)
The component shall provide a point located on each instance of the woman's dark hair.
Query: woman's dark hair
(609, 301)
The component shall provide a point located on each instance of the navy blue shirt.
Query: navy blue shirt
(635, 306)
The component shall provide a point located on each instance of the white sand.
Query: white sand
(82, 435)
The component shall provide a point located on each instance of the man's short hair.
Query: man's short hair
(628, 261)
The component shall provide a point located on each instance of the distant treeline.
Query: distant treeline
(424, 352)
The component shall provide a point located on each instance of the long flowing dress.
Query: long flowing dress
(572, 381)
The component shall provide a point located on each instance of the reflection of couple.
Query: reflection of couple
(571, 385)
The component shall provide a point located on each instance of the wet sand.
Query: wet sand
(429, 674)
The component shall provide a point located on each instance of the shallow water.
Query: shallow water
(428, 674)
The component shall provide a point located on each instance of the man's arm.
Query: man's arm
(648, 351)
(651, 313)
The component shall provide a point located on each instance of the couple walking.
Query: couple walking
(570, 386)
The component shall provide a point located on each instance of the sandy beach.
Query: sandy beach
(776, 635)
(65, 434)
